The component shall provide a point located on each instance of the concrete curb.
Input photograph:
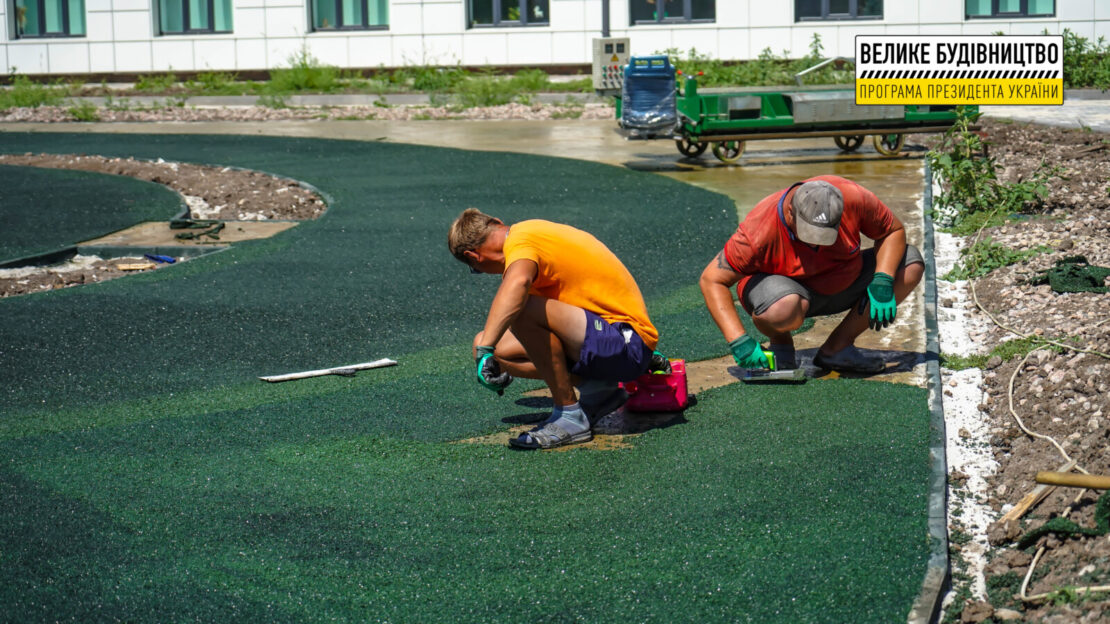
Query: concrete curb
(926, 608)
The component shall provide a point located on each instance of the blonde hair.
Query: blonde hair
(469, 231)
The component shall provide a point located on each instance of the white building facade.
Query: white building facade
(137, 36)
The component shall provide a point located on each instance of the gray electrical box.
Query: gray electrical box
(610, 56)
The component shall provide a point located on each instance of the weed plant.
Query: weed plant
(84, 110)
(156, 84)
(306, 74)
(985, 256)
(970, 184)
(218, 83)
(1007, 351)
(768, 69)
(25, 93)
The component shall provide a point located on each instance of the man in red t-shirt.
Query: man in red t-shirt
(797, 255)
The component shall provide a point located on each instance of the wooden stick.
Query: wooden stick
(1032, 498)
(1094, 482)
(337, 370)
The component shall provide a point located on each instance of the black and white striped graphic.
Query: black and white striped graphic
(958, 74)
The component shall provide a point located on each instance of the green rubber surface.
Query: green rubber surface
(47, 209)
(778, 514)
(150, 476)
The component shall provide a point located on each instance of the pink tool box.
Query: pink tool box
(659, 392)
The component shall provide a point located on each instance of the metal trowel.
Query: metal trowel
(763, 375)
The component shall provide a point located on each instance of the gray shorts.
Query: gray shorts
(764, 289)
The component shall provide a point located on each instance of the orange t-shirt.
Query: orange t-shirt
(578, 269)
(763, 243)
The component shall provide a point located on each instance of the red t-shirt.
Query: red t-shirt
(763, 243)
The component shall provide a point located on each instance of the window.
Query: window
(805, 10)
(1011, 8)
(508, 12)
(349, 14)
(655, 11)
(49, 18)
(177, 17)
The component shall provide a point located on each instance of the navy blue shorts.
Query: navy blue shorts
(611, 352)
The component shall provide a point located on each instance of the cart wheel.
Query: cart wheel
(849, 143)
(728, 151)
(688, 149)
(889, 144)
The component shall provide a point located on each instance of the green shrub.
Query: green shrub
(1086, 64)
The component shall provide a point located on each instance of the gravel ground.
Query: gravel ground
(1062, 395)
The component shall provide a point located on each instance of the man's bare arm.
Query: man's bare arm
(890, 249)
(509, 300)
(716, 282)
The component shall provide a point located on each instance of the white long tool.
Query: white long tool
(346, 371)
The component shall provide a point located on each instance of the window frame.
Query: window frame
(687, 10)
(852, 14)
(211, 30)
(1022, 13)
(65, 19)
(495, 8)
(365, 25)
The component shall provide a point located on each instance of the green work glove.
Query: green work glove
(490, 374)
(880, 296)
(748, 353)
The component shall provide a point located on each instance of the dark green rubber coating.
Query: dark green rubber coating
(46, 209)
(149, 476)
(759, 507)
(371, 279)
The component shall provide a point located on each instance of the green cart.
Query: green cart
(726, 119)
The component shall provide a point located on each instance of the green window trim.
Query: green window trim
(41, 19)
(192, 17)
(648, 12)
(837, 10)
(1005, 9)
(507, 13)
(333, 15)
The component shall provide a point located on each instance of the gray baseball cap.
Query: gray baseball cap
(817, 209)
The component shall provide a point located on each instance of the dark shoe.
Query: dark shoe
(850, 360)
(784, 356)
(611, 402)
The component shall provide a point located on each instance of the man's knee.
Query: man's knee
(911, 274)
(786, 314)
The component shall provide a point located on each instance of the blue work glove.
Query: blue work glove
(490, 374)
(748, 353)
(880, 297)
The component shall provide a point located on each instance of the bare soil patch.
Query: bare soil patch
(1063, 395)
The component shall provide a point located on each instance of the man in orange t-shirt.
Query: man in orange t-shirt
(567, 312)
(797, 255)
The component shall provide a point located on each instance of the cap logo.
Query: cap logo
(820, 218)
